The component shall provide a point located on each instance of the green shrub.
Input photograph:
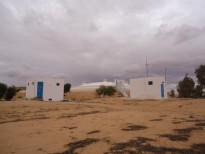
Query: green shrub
(110, 90)
(172, 93)
(11, 91)
(3, 88)
(101, 90)
(106, 90)
(67, 87)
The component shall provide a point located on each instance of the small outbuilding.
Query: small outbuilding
(47, 89)
(148, 88)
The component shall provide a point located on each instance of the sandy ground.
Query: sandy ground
(85, 95)
(102, 125)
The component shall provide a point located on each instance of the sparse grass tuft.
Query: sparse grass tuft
(93, 132)
(78, 144)
(134, 127)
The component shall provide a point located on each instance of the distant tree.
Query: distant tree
(67, 87)
(11, 91)
(3, 88)
(186, 87)
(106, 90)
(198, 91)
(200, 74)
(172, 93)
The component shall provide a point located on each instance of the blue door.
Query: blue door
(40, 90)
(162, 90)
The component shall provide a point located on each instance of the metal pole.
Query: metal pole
(147, 67)
(165, 75)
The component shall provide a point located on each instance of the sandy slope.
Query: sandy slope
(95, 126)
(84, 95)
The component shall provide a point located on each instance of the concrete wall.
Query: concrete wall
(140, 88)
(50, 89)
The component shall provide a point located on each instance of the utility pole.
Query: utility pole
(165, 73)
(147, 67)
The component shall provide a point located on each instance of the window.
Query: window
(150, 82)
(28, 84)
(57, 84)
(32, 83)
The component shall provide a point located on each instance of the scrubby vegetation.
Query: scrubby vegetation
(7, 92)
(67, 87)
(171, 93)
(187, 88)
(11, 91)
(106, 90)
(3, 88)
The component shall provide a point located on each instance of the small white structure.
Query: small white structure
(48, 89)
(148, 88)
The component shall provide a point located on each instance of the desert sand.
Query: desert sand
(102, 125)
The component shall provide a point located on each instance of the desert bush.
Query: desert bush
(106, 90)
(101, 90)
(3, 88)
(172, 93)
(11, 91)
(110, 90)
(67, 87)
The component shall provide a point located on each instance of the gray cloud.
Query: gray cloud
(93, 40)
(12, 73)
(180, 34)
(186, 33)
(132, 69)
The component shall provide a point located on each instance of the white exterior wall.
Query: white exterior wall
(140, 89)
(50, 89)
(30, 89)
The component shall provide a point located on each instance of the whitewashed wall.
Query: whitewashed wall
(140, 89)
(50, 89)
(30, 89)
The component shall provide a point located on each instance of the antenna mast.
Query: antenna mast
(147, 67)
(165, 75)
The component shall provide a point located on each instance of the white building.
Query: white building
(148, 88)
(48, 89)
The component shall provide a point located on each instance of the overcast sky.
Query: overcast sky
(91, 40)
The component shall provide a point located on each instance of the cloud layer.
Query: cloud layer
(95, 39)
